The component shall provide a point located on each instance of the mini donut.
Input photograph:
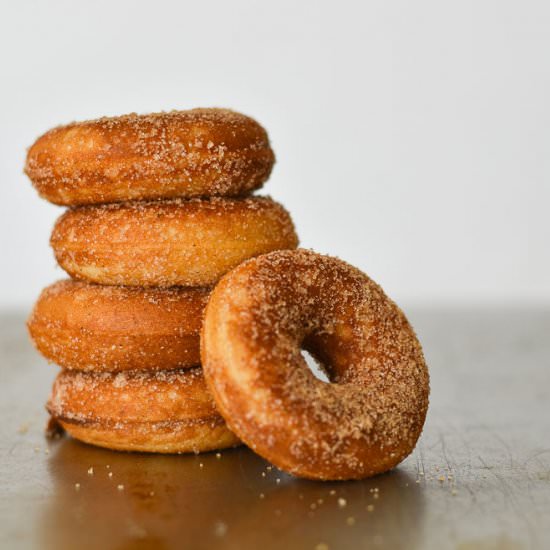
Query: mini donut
(197, 153)
(176, 242)
(85, 326)
(158, 412)
(257, 320)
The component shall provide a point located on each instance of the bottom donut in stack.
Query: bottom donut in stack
(160, 411)
(131, 378)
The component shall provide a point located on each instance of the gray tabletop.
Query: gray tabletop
(479, 478)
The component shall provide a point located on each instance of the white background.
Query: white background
(412, 137)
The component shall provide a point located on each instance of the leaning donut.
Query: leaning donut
(197, 153)
(258, 319)
(161, 412)
(189, 243)
(84, 326)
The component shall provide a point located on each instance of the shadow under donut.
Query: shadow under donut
(234, 499)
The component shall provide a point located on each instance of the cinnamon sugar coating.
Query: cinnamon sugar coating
(260, 316)
(162, 411)
(196, 153)
(84, 326)
(167, 243)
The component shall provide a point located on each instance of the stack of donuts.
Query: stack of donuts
(160, 208)
(162, 237)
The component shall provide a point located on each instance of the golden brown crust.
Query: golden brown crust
(177, 437)
(84, 326)
(176, 242)
(196, 153)
(162, 411)
(258, 318)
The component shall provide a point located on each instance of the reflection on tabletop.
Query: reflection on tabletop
(232, 499)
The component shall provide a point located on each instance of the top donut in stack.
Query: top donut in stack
(180, 154)
(160, 209)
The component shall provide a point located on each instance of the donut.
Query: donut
(146, 411)
(196, 153)
(84, 326)
(168, 243)
(258, 319)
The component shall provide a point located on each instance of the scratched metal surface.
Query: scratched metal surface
(479, 479)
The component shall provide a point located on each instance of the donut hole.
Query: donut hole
(318, 369)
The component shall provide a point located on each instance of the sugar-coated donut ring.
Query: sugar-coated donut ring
(161, 411)
(189, 243)
(258, 318)
(85, 326)
(197, 153)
